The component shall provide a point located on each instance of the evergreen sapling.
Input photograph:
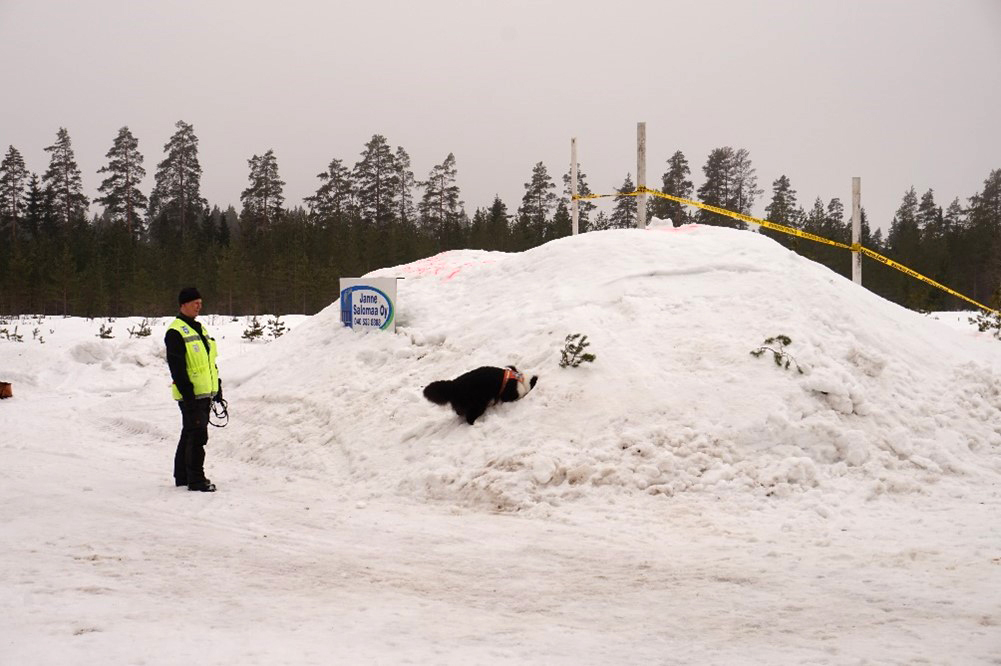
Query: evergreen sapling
(254, 331)
(782, 358)
(277, 327)
(142, 330)
(573, 353)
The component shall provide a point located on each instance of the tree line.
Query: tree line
(131, 258)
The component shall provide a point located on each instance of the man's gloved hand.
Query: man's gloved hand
(218, 396)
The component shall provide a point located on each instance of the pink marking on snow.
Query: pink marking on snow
(684, 227)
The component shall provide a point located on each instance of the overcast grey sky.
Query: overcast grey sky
(899, 92)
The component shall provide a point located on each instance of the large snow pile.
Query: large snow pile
(888, 400)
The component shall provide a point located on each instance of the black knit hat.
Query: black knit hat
(188, 294)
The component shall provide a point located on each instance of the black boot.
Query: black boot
(205, 486)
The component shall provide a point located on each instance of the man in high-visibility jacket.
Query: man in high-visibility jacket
(191, 355)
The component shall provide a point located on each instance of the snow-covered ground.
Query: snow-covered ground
(678, 501)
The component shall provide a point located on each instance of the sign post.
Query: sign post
(369, 303)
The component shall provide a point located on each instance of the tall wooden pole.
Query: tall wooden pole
(856, 228)
(641, 174)
(574, 204)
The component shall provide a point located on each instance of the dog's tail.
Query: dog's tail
(438, 392)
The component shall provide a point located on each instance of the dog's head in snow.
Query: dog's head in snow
(471, 393)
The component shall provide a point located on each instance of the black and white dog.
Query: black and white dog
(471, 393)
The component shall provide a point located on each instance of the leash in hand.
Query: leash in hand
(220, 410)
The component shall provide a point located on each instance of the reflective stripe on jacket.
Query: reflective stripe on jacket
(200, 362)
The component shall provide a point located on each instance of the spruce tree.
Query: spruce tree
(35, 207)
(624, 213)
(561, 224)
(122, 199)
(63, 183)
(498, 230)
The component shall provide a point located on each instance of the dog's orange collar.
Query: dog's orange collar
(510, 374)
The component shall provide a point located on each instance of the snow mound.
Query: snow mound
(888, 400)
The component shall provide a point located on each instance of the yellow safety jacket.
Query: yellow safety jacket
(200, 362)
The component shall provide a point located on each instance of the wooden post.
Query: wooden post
(574, 204)
(641, 174)
(856, 228)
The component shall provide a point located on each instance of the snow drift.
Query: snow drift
(889, 400)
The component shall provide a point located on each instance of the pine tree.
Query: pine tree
(904, 245)
(784, 210)
(264, 200)
(333, 199)
(675, 182)
(537, 203)
(584, 206)
(835, 228)
(743, 182)
(122, 199)
(601, 222)
(904, 237)
(63, 183)
(716, 190)
(933, 259)
(440, 207)
(983, 245)
(814, 223)
(13, 191)
(375, 182)
(176, 201)
(406, 183)
(624, 213)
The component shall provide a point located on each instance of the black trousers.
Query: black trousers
(189, 461)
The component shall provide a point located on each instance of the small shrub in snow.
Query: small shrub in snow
(254, 331)
(782, 358)
(573, 353)
(105, 332)
(36, 335)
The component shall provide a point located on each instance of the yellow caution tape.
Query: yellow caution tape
(856, 247)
